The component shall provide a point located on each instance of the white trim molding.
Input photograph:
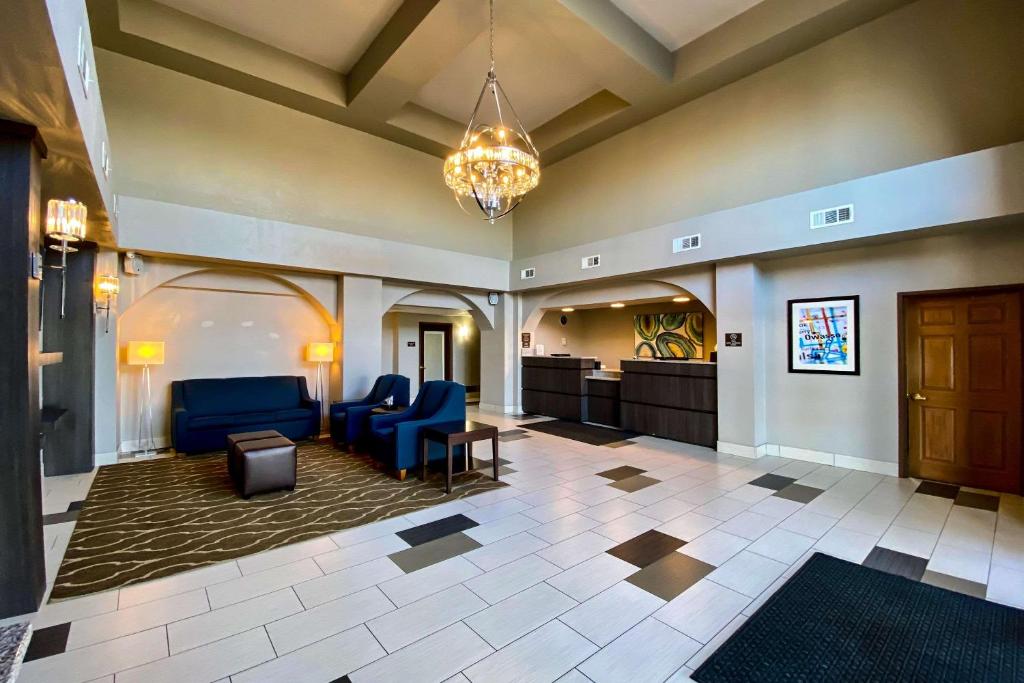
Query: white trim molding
(100, 459)
(739, 449)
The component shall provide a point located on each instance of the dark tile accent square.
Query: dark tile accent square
(621, 472)
(977, 500)
(798, 493)
(61, 517)
(671, 575)
(954, 583)
(47, 642)
(630, 484)
(75, 505)
(897, 563)
(620, 444)
(647, 548)
(934, 488)
(511, 432)
(424, 533)
(485, 466)
(513, 437)
(773, 481)
(432, 552)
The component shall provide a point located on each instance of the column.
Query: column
(359, 314)
(742, 428)
(498, 359)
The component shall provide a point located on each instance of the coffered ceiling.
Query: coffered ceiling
(577, 71)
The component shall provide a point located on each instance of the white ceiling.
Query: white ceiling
(332, 33)
(674, 23)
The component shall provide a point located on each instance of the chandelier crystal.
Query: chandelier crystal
(496, 163)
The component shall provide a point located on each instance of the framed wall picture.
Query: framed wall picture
(824, 335)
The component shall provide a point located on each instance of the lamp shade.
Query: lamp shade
(320, 352)
(145, 353)
(65, 219)
(108, 285)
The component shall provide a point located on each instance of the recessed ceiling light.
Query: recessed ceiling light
(568, 309)
(681, 299)
(618, 305)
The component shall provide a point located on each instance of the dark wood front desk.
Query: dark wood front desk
(671, 399)
(556, 387)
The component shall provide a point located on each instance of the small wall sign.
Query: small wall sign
(525, 340)
(410, 343)
(734, 339)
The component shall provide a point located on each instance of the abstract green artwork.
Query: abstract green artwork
(669, 335)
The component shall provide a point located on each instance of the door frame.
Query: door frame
(438, 327)
(901, 347)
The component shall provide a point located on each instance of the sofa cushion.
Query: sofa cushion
(294, 414)
(222, 421)
(237, 395)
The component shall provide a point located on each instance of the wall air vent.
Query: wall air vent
(590, 261)
(837, 215)
(685, 243)
(527, 273)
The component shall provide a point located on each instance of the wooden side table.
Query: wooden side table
(459, 433)
(388, 410)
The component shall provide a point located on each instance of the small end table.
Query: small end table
(459, 433)
(388, 410)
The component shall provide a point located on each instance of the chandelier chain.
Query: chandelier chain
(492, 35)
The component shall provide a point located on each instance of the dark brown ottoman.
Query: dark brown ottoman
(263, 465)
(235, 439)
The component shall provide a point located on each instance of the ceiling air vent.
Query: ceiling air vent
(590, 261)
(837, 215)
(685, 243)
(527, 273)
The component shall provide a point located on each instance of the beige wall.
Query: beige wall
(214, 325)
(934, 79)
(399, 328)
(607, 333)
(184, 141)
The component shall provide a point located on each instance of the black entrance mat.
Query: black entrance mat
(837, 621)
(577, 431)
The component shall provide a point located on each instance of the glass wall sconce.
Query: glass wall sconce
(108, 287)
(65, 221)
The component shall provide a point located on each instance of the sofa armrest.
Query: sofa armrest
(342, 406)
(392, 419)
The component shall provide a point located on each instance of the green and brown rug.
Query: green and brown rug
(145, 520)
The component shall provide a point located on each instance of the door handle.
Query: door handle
(917, 397)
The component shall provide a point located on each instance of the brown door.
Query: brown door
(963, 386)
(435, 352)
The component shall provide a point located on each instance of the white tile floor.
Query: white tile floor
(541, 600)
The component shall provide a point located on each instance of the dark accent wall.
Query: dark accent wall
(22, 564)
(68, 385)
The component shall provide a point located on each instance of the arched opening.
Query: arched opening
(216, 323)
(623, 320)
(434, 334)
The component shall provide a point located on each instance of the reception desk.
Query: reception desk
(673, 399)
(557, 387)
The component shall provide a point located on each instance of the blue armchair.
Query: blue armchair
(348, 418)
(205, 411)
(396, 440)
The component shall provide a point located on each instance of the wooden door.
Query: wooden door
(963, 386)
(435, 351)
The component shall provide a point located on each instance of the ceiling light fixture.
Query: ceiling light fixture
(496, 163)
(618, 305)
(568, 309)
(681, 299)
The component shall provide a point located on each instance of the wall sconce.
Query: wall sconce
(65, 221)
(463, 332)
(108, 287)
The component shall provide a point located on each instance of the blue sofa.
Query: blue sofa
(205, 411)
(348, 418)
(395, 440)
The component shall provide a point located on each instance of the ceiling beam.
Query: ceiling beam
(626, 34)
(421, 39)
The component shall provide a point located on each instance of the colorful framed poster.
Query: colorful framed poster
(669, 335)
(824, 335)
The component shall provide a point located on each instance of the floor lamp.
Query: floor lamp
(320, 353)
(146, 353)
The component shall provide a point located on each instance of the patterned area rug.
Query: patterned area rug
(145, 520)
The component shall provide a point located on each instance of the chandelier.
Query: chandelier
(496, 163)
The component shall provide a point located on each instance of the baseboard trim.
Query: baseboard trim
(137, 445)
(739, 449)
(851, 462)
(100, 459)
(493, 408)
